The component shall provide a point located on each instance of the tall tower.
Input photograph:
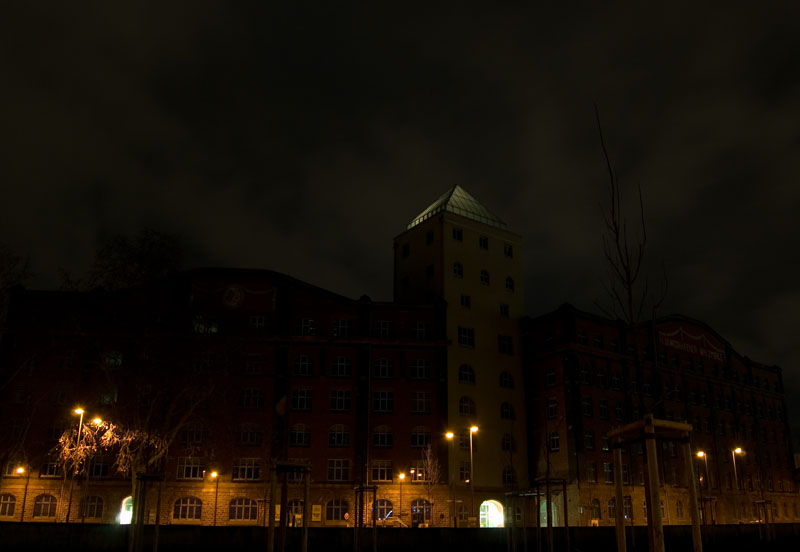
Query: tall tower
(459, 252)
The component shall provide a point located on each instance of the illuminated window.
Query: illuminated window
(463, 470)
(189, 507)
(241, 509)
(384, 508)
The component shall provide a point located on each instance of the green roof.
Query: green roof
(457, 200)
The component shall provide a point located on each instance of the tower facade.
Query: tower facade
(458, 252)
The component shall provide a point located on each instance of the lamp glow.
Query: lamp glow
(449, 434)
(79, 411)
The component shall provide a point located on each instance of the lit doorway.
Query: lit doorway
(491, 514)
(126, 511)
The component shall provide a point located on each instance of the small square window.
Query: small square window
(458, 234)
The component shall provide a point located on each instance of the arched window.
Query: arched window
(506, 380)
(382, 509)
(612, 508)
(188, 507)
(507, 411)
(382, 437)
(338, 436)
(335, 509)
(596, 511)
(466, 374)
(242, 508)
(458, 270)
(509, 476)
(44, 506)
(466, 407)
(420, 437)
(509, 283)
(420, 512)
(7, 504)
(92, 507)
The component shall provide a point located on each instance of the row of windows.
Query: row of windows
(382, 401)
(345, 328)
(420, 368)
(466, 338)
(458, 235)
(466, 374)
(467, 407)
(45, 506)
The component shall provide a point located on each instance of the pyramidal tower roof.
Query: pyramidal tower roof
(457, 200)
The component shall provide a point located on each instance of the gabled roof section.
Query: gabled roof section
(457, 200)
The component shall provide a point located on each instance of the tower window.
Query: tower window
(485, 277)
(510, 283)
(458, 270)
(508, 250)
(483, 242)
(458, 234)
(466, 301)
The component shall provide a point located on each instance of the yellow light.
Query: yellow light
(20, 470)
(474, 429)
(214, 475)
(738, 450)
(79, 411)
(700, 453)
(97, 421)
(449, 434)
(402, 476)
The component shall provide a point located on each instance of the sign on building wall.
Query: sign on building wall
(316, 512)
(695, 344)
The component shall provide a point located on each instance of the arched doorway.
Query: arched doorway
(126, 511)
(491, 514)
(543, 513)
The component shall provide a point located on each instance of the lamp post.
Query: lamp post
(215, 478)
(402, 476)
(19, 471)
(704, 456)
(449, 435)
(734, 452)
(472, 430)
(79, 411)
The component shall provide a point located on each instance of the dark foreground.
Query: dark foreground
(32, 537)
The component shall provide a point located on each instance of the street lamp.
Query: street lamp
(79, 411)
(449, 435)
(402, 476)
(704, 456)
(734, 452)
(19, 471)
(472, 430)
(215, 478)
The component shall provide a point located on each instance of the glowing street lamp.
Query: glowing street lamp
(472, 430)
(402, 476)
(19, 471)
(704, 456)
(450, 435)
(215, 477)
(734, 452)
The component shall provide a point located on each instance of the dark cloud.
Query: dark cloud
(303, 137)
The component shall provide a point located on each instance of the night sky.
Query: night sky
(303, 138)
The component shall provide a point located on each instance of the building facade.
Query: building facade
(587, 375)
(214, 374)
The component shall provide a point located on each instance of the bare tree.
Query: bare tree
(624, 250)
(432, 470)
